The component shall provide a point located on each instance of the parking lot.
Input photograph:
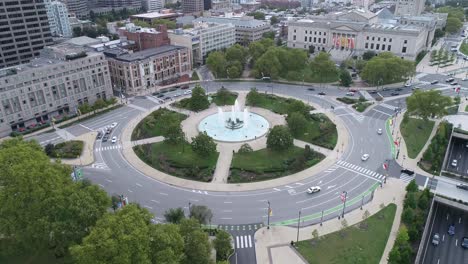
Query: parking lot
(457, 159)
(449, 250)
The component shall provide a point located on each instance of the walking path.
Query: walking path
(273, 245)
(219, 182)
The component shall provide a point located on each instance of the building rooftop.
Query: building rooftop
(83, 41)
(246, 22)
(144, 54)
(154, 15)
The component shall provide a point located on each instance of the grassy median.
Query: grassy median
(415, 132)
(363, 243)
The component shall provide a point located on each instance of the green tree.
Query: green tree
(197, 248)
(166, 244)
(201, 213)
(368, 55)
(323, 68)
(141, 23)
(253, 97)
(297, 106)
(297, 123)
(99, 104)
(269, 34)
(120, 237)
(169, 23)
(279, 138)
(315, 235)
(49, 149)
(410, 201)
(41, 207)
(245, 148)
(408, 215)
(387, 68)
(222, 244)
(203, 144)
(216, 62)
(174, 215)
(236, 53)
(345, 78)
(428, 103)
(453, 25)
(223, 95)
(412, 186)
(257, 15)
(274, 20)
(199, 100)
(233, 72)
(268, 65)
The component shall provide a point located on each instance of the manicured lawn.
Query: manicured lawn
(228, 100)
(361, 106)
(267, 164)
(347, 100)
(178, 160)
(416, 132)
(276, 104)
(320, 131)
(67, 150)
(464, 48)
(356, 244)
(151, 125)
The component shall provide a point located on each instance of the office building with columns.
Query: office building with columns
(351, 33)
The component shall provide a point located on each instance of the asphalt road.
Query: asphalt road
(458, 151)
(449, 250)
(113, 173)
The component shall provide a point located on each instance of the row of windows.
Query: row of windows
(379, 38)
(377, 46)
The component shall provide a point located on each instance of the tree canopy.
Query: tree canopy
(203, 144)
(428, 103)
(198, 100)
(279, 138)
(387, 68)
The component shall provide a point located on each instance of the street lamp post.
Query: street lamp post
(268, 215)
(189, 204)
(298, 225)
(344, 202)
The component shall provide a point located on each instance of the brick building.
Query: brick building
(145, 38)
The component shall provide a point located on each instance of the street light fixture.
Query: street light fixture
(344, 197)
(298, 225)
(268, 215)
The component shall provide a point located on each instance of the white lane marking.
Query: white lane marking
(331, 186)
(193, 200)
(86, 127)
(139, 185)
(102, 186)
(237, 241)
(226, 218)
(154, 201)
(287, 186)
(228, 202)
(241, 242)
(108, 180)
(130, 190)
(276, 189)
(250, 241)
(149, 207)
(298, 183)
(163, 193)
(227, 211)
(246, 241)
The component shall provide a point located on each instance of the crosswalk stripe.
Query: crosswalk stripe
(373, 174)
(246, 244)
(241, 242)
(237, 241)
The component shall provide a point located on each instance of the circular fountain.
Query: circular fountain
(234, 126)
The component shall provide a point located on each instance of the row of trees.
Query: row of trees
(413, 219)
(229, 63)
(455, 19)
(43, 210)
(387, 68)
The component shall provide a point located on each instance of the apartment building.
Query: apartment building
(145, 38)
(51, 86)
(59, 22)
(409, 7)
(247, 28)
(153, 5)
(135, 72)
(77, 7)
(24, 31)
(203, 38)
(192, 6)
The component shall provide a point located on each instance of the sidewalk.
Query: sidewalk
(273, 245)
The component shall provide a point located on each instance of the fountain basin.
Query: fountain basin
(253, 127)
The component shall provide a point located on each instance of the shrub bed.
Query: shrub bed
(65, 150)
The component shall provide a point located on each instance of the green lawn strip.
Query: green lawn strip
(229, 100)
(276, 104)
(416, 132)
(151, 126)
(178, 160)
(68, 150)
(320, 131)
(329, 211)
(355, 244)
(361, 106)
(267, 164)
(389, 134)
(347, 100)
(464, 48)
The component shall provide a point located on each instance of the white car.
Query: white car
(365, 157)
(454, 163)
(350, 93)
(407, 84)
(113, 125)
(465, 79)
(114, 139)
(379, 131)
(313, 189)
(188, 92)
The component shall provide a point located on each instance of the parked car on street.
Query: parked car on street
(434, 82)
(462, 186)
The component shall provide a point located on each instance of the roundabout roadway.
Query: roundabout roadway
(247, 210)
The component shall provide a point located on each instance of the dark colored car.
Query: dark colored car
(399, 89)
(394, 93)
(99, 135)
(462, 186)
(451, 230)
(435, 82)
(311, 89)
(464, 243)
(353, 90)
(373, 92)
(321, 93)
(184, 87)
(105, 138)
(167, 98)
(160, 95)
(406, 171)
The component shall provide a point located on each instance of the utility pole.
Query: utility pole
(189, 204)
(268, 213)
(344, 195)
(298, 225)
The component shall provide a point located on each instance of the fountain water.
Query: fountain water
(221, 115)
(246, 117)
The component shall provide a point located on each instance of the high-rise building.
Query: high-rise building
(192, 6)
(153, 5)
(409, 7)
(24, 31)
(206, 4)
(128, 4)
(78, 7)
(59, 22)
